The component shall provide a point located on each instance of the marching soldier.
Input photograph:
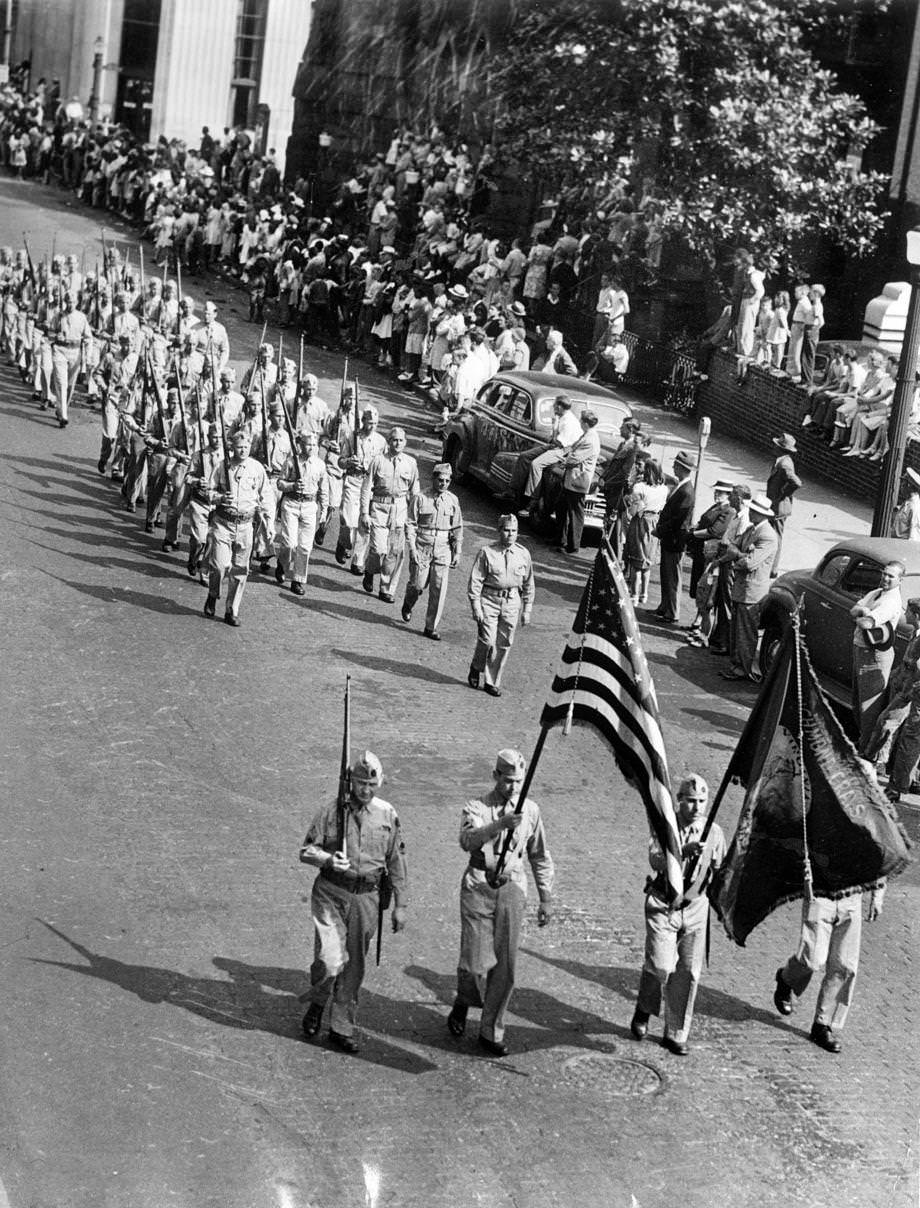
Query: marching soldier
(434, 534)
(240, 491)
(675, 932)
(125, 323)
(390, 482)
(265, 369)
(501, 593)
(304, 506)
(204, 466)
(358, 451)
(352, 854)
(337, 429)
(160, 456)
(209, 338)
(114, 377)
(228, 399)
(274, 456)
(312, 412)
(69, 343)
(492, 905)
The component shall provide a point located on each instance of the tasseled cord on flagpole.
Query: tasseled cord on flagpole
(807, 871)
(567, 724)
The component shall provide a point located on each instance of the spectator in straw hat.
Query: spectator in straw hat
(782, 484)
(752, 559)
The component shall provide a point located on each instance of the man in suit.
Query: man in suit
(752, 558)
(671, 532)
(782, 484)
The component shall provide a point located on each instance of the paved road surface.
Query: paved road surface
(158, 774)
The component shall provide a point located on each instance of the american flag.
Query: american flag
(604, 681)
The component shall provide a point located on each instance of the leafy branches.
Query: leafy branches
(718, 108)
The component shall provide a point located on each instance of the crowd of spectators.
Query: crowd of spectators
(399, 265)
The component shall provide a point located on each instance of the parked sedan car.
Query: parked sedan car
(847, 571)
(510, 422)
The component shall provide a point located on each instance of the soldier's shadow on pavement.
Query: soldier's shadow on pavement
(554, 1024)
(391, 667)
(312, 606)
(255, 998)
(625, 981)
(124, 595)
(157, 569)
(63, 463)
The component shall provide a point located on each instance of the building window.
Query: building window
(140, 32)
(247, 61)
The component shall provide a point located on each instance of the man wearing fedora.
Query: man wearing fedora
(752, 560)
(782, 484)
(671, 531)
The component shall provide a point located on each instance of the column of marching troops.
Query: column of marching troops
(259, 473)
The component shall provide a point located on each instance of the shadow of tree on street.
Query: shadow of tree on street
(255, 998)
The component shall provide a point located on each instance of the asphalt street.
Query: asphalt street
(159, 771)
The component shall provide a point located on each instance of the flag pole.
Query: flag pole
(522, 797)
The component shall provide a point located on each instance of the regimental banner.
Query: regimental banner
(813, 808)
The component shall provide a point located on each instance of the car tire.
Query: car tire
(453, 454)
(769, 645)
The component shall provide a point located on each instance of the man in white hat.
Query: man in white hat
(675, 932)
(354, 845)
(752, 559)
(492, 904)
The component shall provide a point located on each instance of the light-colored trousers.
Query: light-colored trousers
(537, 466)
(386, 555)
(298, 529)
(344, 924)
(794, 351)
(425, 572)
(490, 932)
(495, 635)
(831, 931)
(675, 952)
(230, 548)
(64, 363)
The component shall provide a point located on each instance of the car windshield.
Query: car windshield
(610, 413)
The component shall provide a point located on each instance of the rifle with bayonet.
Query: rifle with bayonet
(292, 436)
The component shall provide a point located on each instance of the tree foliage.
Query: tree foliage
(716, 105)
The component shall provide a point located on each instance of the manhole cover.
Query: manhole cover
(609, 1075)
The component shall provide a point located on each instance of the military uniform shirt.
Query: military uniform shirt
(528, 841)
(436, 524)
(373, 842)
(498, 569)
